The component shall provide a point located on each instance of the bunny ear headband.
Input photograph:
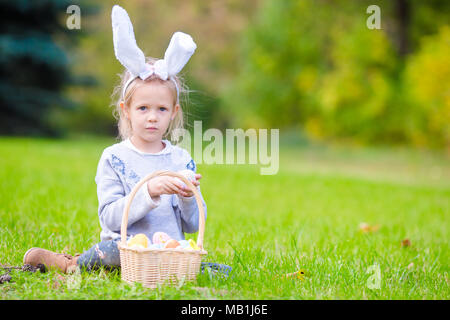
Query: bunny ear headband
(178, 53)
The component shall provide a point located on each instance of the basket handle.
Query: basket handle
(201, 215)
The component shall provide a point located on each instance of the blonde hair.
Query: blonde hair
(124, 124)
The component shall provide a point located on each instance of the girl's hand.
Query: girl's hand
(163, 185)
(185, 191)
(169, 185)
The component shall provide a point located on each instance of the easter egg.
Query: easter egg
(193, 245)
(139, 240)
(172, 243)
(184, 244)
(160, 237)
(156, 246)
(189, 174)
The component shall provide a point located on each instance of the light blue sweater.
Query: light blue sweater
(120, 168)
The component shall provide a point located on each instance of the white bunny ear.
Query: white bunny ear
(179, 51)
(125, 47)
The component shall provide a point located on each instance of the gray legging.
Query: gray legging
(106, 254)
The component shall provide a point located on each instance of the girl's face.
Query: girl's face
(150, 111)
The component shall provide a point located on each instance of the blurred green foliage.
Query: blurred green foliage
(427, 90)
(316, 65)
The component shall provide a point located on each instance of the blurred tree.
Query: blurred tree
(34, 69)
(426, 18)
(403, 17)
(315, 65)
(426, 91)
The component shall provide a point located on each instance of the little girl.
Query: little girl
(149, 112)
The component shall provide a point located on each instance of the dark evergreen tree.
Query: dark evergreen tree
(34, 64)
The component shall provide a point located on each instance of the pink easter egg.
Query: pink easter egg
(160, 237)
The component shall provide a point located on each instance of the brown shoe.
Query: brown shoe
(60, 261)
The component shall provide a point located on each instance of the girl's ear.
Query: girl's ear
(124, 110)
(175, 111)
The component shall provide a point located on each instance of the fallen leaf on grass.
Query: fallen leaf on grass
(406, 242)
(365, 227)
(300, 274)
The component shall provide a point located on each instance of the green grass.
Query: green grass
(305, 217)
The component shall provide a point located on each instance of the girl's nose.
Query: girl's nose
(152, 116)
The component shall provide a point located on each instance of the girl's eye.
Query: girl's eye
(142, 108)
(162, 108)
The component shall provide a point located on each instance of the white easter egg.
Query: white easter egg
(184, 243)
(189, 174)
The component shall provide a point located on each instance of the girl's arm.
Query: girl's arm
(112, 198)
(189, 212)
(188, 205)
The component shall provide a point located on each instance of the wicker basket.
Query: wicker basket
(160, 266)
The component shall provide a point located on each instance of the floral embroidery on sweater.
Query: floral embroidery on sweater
(117, 164)
(133, 177)
(191, 165)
